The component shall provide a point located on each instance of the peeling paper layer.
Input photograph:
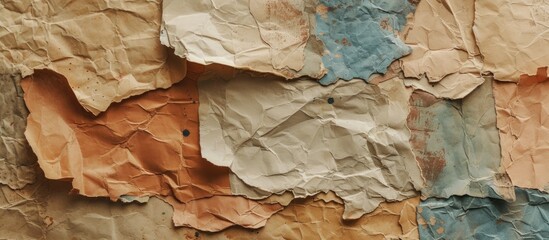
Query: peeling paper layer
(144, 146)
(524, 130)
(298, 136)
(445, 57)
(457, 146)
(360, 36)
(108, 50)
(512, 36)
(485, 218)
(45, 211)
(315, 219)
(261, 35)
(17, 161)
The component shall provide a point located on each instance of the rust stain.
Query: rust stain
(430, 162)
(286, 10)
(440, 230)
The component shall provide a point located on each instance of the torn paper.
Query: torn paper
(144, 146)
(17, 161)
(523, 129)
(512, 36)
(457, 146)
(302, 137)
(445, 60)
(45, 211)
(315, 219)
(360, 37)
(107, 50)
(261, 35)
(485, 218)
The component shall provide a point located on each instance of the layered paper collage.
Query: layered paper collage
(274, 119)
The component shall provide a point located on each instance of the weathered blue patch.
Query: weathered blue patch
(359, 37)
(457, 145)
(485, 218)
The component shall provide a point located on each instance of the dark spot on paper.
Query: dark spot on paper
(196, 234)
(345, 42)
(163, 213)
(331, 100)
(186, 133)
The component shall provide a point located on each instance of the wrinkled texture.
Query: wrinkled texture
(456, 144)
(524, 130)
(445, 57)
(316, 219)
(45, 211)
(17, 161)
(108, 50)
(298, 136)
(512, 36)
(485, 218)
(144, 146)
(271, 36)
(360, 36)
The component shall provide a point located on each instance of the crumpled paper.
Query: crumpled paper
(457, 146)
(17, 161)
(45, 211)
(360, 36)
(445, 60)
(261, 35)
(144, 146)
(108, 50)
(523, 129)
(512, 36)
(485, 218)
(302, 137)
(314, 218)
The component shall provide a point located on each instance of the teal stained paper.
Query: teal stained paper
(486, 218)
(359, 36)
(457, 146)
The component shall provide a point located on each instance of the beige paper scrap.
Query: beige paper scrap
(260, 35)
(445, 60)
(522, 114)
(108, 50)
(512, 36)
(298, 136)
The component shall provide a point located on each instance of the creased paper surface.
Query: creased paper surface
(457, 146)
(45, 211)
(523, 129)
(144, 146)
(261, 35)
(17, 161)
(485, 218)
(512, 36)
(445, 60)
(316, 219)
(360, 36)
(302, 137)
(108, 50)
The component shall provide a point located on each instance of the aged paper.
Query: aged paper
(360, 36)
(17, 161)
(512, 36)
(457, 146)
(299, 136)
(523, 129)
(107, 50)
(261, 35)
(485, 218)
(445, 60)
(145, 146)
